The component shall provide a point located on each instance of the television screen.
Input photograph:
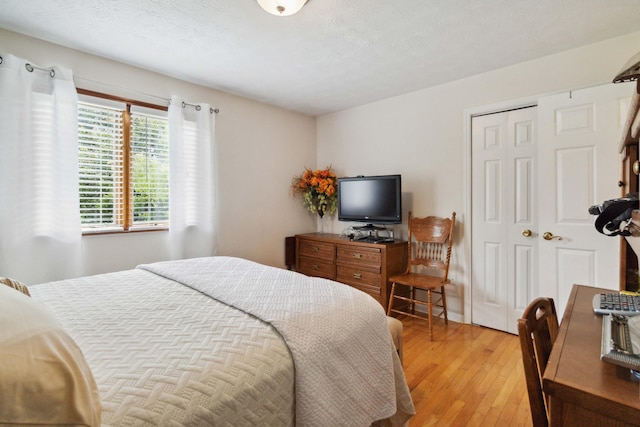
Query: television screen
(371, 199)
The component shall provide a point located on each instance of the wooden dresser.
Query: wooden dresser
(363, 265)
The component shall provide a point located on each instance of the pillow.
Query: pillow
(15, 285)
(44, 377)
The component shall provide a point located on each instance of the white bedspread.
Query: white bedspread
(163, 354)
(346, 370)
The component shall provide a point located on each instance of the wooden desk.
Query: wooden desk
(582, 389)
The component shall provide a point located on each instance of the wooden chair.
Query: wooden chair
(429, 252)
(537, 329)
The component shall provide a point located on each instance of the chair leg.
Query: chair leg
(430, 309)
(444, 305)
(412, 296)
(393, 289)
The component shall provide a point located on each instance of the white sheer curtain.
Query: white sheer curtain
(40, 234)
(192, 180)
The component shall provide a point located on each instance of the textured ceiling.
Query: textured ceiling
(334, 54)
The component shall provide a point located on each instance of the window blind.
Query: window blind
(124, 166)
(101, 169)
(149, 177)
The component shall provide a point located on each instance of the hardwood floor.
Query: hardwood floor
(468, 375)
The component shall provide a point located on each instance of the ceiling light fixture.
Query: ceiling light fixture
(282, 7)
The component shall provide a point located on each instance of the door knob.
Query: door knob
(549, 236)
(526, 232)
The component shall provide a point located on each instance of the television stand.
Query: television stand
(369, 227)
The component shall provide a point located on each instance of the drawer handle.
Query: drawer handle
(357, 275)
(357, 256)
(316, 249)
(315, 267)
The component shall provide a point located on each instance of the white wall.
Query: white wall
(420, 134)
(260, 149)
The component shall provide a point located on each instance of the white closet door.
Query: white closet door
(538, 171)
(504, 219)
(579, 166)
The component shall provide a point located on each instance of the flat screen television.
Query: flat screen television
(370, 199)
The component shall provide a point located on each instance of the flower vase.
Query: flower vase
(322, 207)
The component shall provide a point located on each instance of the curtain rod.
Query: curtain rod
(198, 107)
(166, 100)
(31, 67)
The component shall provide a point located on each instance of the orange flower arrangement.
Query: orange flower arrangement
(319, 189)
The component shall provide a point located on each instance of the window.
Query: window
(123, 163)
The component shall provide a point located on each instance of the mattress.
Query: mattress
(224, 341)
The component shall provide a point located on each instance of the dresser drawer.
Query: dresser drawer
(317, 268)
(359, 278)
(314, 249)
(364, 258)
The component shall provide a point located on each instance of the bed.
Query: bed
(207, 341)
